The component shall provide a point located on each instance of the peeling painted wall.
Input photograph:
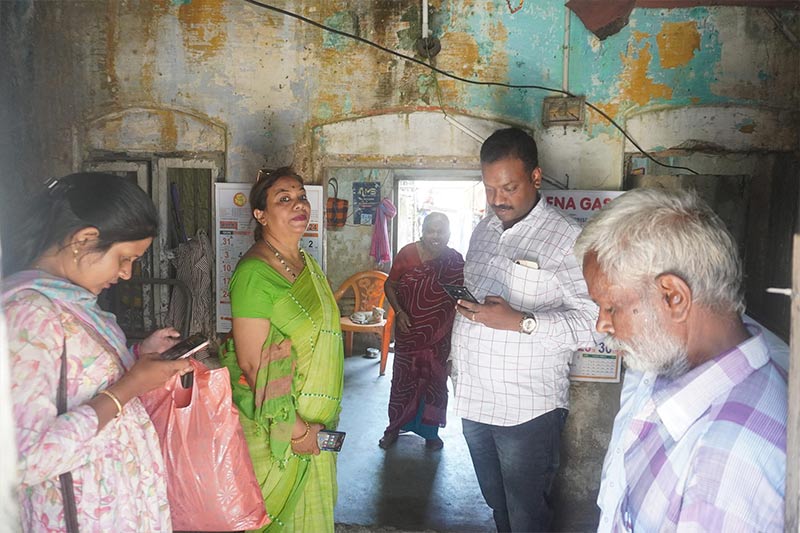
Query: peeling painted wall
(267, 90)
(269, 80)
(348, 247)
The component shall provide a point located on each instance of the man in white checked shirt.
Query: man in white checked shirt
(511, 353)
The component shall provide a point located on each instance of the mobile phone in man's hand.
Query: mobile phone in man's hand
(459, 292)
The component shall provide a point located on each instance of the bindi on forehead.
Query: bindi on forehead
(282, 189)
(288, 189)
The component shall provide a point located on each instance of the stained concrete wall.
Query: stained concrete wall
(270, 80)
(266, 90)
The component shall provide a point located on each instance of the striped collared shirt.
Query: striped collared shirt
(703, 452)
(504, 377)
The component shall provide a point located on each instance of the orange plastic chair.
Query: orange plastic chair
(367, 288)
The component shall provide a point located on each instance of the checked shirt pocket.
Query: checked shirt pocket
(531, 288)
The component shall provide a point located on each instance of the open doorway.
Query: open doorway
(460, 196)
(458, 193)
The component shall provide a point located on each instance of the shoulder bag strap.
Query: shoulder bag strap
(67, 492)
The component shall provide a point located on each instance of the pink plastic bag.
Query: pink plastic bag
(211, 485)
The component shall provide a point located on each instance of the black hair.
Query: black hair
(258, 193)
(116, 206)
(434, 216)
(511, 142)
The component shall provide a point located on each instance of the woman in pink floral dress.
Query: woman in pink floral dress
(83, 235)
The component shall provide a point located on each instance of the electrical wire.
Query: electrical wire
(791, 37)
(549, 180)
(459, 78)
(514, 9)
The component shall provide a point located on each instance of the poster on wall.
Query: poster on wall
(366, 196)
(592, 363)
(234, 236)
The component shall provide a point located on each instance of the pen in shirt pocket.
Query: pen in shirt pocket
(526, 263)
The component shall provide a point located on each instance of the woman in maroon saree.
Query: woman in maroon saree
(424, 321)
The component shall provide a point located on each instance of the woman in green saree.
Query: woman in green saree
(285, 359)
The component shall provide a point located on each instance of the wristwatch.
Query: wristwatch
(528, 324)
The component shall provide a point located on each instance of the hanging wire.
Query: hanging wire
(787, 33)
(514, 9)
(466, 130)
(464, 80)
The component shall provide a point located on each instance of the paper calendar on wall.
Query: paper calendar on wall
(598, 364)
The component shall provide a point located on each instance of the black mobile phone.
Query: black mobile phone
(186, 347)
(330, 441)
(459, 292)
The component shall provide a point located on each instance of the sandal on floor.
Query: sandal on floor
(434, 444)
(388, 440)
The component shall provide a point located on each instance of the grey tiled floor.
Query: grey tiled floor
(406, 488)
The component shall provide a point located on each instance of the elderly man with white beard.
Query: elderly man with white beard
(699, 443)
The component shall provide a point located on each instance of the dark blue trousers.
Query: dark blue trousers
(516, 466)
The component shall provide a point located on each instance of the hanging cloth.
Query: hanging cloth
(194, 262)
(380, 249)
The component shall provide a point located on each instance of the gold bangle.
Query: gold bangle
(302, 437)
(114, 399)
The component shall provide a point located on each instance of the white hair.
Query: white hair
(647, 232)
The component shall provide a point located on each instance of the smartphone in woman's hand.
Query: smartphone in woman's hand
(185, 348)
(330, 441)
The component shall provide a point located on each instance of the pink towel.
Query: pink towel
(380, 249)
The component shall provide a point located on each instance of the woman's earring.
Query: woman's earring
(75, 255)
